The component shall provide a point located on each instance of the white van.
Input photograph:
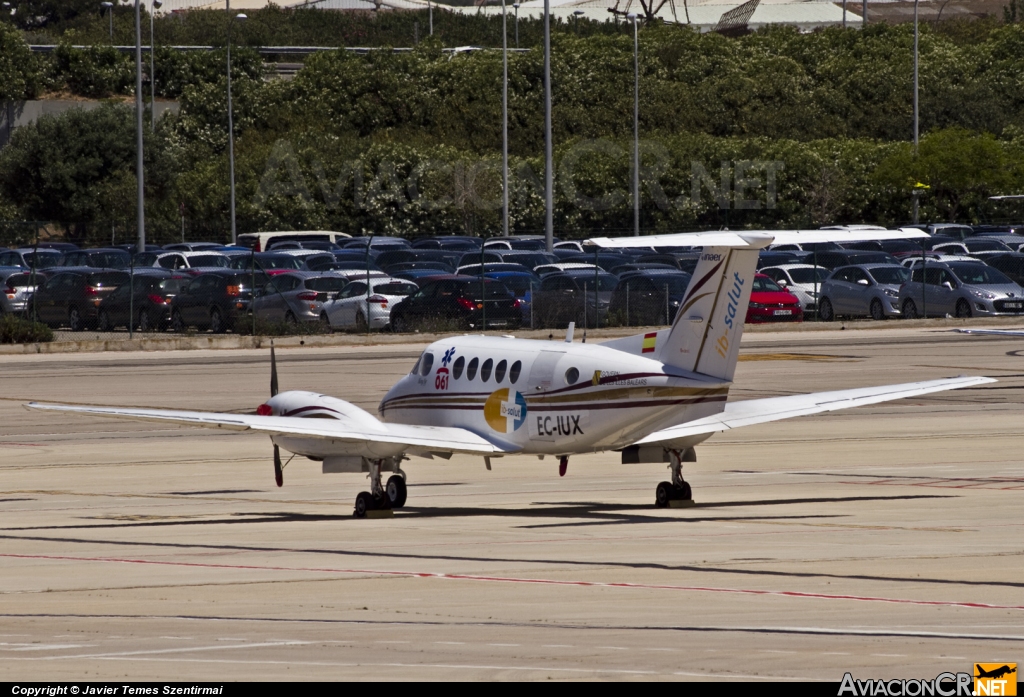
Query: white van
(261, 241)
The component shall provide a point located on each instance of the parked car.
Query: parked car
(297, 296)
(146, 301)
(17, 285)
(1011, 264)
(522, 284)
(461, 301)
(182, 261)
(802, 280)
(979, 247)
(354, 306)
(215, 300)
(271, 263)
(98, 258)
(833, 260)
(29, 258)
(192, 246)
(648, 297)
(72, 296)
(860, 291)
(769, 302)
(962, 289)
(569, 296)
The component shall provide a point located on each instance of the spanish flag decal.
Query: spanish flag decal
(649, 340)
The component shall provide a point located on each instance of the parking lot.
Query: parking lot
(885, 541)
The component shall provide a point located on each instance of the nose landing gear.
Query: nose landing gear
(677, 493)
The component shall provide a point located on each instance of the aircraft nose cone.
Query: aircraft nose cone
(264, 410)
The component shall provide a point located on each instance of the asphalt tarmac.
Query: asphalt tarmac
(887, 541)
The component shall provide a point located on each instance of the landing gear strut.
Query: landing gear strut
(678, 490)
(381, 497)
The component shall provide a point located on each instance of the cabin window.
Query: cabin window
(514, 371)
(471, 370)
(460, 363)
(571, 376)
(426, 363)
(499, 370)
(485, 370)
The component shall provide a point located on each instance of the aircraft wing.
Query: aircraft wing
(993, 332)
(759, 411)
(756, 238)
(436, 438)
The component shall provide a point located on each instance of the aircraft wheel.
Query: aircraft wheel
(663, 494)
(364, 503)
(683, 493)
(396, 491)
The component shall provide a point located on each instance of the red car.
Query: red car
(770, 303)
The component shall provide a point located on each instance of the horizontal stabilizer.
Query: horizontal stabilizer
(757, 238)
(759, 411)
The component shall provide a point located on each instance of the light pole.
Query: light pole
(156, 5)
(138, 128)
(916, 205)
(109, 7)
(549, 211)
(576, 20)
(430, 9)
(231, 125)
(515, 6)
(844, 14)
(636, 126)
(504, 119)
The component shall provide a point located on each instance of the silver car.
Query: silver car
(297, 296)
(29, 257)
(863, 290)
(962, 289)
(350, 308)
(802, 280)
(16, 287)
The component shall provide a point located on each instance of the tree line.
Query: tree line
(776, 128)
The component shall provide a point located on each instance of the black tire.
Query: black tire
(325, 323)
(877, 311)
(360, 323)
(399, 325)
(177, 323)
(75, 319)
(963, 309)
(683, 492)
(663, 494)
(105, 325)
(825, 311)
(289, 318)
(396, 491)
(364, 503)
(909, 309)
(216, 321)
(145, 323)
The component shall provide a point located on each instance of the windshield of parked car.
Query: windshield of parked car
(890, 275)
(326, 284)
(979, 274)
(983, 245)
(492, 290)
(209, 260)
(110, 260)
(605, 281)
(396, 288)
(520, 285)
(764, 284)
(41, 260)
(808, 275)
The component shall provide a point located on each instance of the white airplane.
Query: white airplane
(652, 396)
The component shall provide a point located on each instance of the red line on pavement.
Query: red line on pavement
(536, 581)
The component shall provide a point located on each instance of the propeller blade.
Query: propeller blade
(278, 470)
(273, 371)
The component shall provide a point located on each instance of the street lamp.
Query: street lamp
(430, 9)
(231, 124)
(515, 6)
(916, 205)
(138, 129)
(549, 182)
(109, 7)
(504, 119)
(157, 4)
(636, 126)
(576, 20)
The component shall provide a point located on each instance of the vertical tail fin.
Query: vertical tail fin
(705, 336)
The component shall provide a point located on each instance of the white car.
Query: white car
(912, 262)
(351, 307)
(799, 279)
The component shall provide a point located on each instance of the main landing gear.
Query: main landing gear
(677, 493)
(381, 497)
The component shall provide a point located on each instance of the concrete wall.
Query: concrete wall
(14, 115)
